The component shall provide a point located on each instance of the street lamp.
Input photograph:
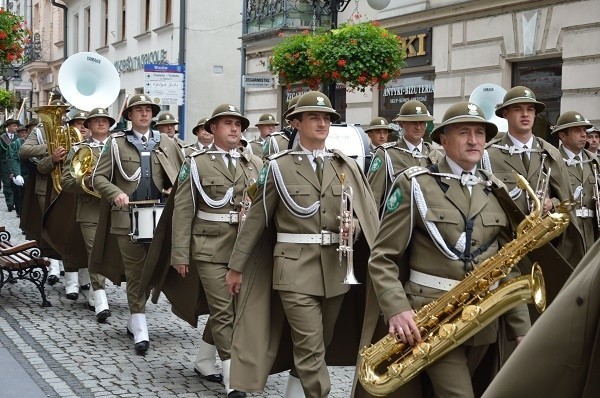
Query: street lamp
(11, 73)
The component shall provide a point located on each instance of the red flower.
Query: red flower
(336, 75)
(281, 34)
(385, 75)
(362, 79)
(341, 62)
(2, 35)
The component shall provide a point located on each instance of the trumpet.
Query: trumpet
(596, 194)
(345, 248)
(82, 165)
(541, 187)
(247, 196)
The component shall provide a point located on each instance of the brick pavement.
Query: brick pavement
(66, 353)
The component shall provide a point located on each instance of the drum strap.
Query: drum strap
(146, 188)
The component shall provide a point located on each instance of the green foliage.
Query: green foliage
(7, 99)
(359, 55)
(13, 37)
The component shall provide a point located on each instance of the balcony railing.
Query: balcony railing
(264, 15)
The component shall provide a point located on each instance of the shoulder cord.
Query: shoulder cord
(512, 150)
(136, 175)
(414, 154)
(292, 206)
(215, 204)
(389, 166)
(275, 145)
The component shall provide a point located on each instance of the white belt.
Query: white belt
(231, 217)
(584, 212)
(436, 282)
(323, 239)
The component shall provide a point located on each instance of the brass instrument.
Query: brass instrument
(596, 193)
(467, 308)
(83, 164)
(56, 135)
(541, 187)
(247, 197)
(345, 247)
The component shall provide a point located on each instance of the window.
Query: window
(167, 12)
(123, 20)
(86, 29)
(75, 32)
(544, 79)
(147, 21)
(104, 13)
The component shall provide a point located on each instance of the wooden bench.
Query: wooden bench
(22, 262)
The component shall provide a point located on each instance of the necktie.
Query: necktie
(230, 165)
(465, 188)
(319, 168)
(579, 166)
(525, 158)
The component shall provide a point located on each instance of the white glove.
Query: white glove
(18, 180)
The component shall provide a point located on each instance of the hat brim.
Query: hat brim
(413, 118)
(196, 128)
(155, 108)
(245, 122)
(305, 109)
(490, 128)
(371, 128)
(539, 106)
(267, 124)
(87, 121)
(166, 123)
(563, 127)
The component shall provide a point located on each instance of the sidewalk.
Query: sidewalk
(61, 351)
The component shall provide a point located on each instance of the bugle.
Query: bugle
(346, 234)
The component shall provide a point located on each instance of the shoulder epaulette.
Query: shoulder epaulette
(279, 154)
(387, 145)
(198, 152)
(415, 171)
(118, 134)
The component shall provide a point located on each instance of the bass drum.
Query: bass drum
(351, 139)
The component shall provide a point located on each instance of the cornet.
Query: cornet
(346, 240)
(541, 188)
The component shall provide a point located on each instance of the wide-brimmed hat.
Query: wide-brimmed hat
(266, 119)
(379, 123)
(96, 113)
(314, 101)
(166, 118)
(77, 114)
(413, 111)
(593, 129)
(291, 106)
(140, 99)
(226, 110)
(571, 119)
(519, 95)
(200, 123)
(464, 112)
(32, 122)
(10, 121)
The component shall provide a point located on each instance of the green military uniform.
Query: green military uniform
(19, 170)
(302, 211)
(582, 178)
(389, 159)
(560, 356)
(119, 170)
(167, 118)
(198, 126)
(503, 157)
(256, 146)
(424, 248)
(6, 139)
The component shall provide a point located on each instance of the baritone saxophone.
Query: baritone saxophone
(467, 308)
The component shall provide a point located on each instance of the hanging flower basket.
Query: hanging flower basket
(13, 37)
(359, 55)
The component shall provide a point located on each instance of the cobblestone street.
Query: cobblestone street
(61, 351)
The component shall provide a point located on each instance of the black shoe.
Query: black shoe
(102, 315)
(91, 307)
(236, 394)
(62, 273)
(129, 333)
(85, 287)
(10, 207)
(216, 378)
(73, 296)
(52, 279)
(142, 347)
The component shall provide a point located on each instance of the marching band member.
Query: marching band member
(593, 139)
(97, 123)
(410, 150)
(378, 132)
(299, 198)
(205, 138)
(6, 139)
(166, 125)
(521, 151)
(212, 185)
(77, 120)
(17, 169)
(427, 214)
(583, 169)
(135, 165)
(266, 125)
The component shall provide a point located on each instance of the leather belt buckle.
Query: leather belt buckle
(233, 217)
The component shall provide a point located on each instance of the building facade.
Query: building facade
(455, 46)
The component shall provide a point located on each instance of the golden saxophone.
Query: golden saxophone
(345, 248)
(56, 135)
(463, 311)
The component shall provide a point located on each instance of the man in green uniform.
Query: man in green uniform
(299, 198)
(266, 125)
(593, 139)
(439, 223)
(17, 169)
(410, 150)
(136, 167)
(378, 132)
(6, 139)
(205, 138)
(166, 125)
(212, 187)
(583, 169)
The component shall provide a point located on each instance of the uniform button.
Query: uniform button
(497, 220)
(473, 243)
(324, 211)
(441, 217)
(322, 195)
(420, 290)
(505, 178)
(579, 300)
(324, 227)
(475, 261)
(282, 253)
(297, 191)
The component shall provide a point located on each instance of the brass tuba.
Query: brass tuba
(463, 311)
(57, 135)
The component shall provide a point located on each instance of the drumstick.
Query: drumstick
(21, 108)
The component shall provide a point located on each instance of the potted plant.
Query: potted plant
(291, 62)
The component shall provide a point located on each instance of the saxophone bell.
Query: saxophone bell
(346, 234)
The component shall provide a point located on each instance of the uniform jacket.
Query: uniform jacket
(14, 165)
(570, 244)
(109, 182)
(560, 357)
(381, 175)
(5, 143)
(275, 142)
(588, 226)
(36, 150)
(260, 333)
(256, 146)
(403, 243)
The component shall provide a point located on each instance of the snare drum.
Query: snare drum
(144, 220)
